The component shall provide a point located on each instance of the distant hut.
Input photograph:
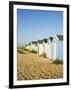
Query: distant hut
(34, 46)
(58, 47)
(50, 48)
(45, 46)
(40, 47)
(27, 46)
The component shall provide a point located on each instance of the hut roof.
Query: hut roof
(45, 40)
(51, 38)
(60, 37)
(40, 41)
(34, 42)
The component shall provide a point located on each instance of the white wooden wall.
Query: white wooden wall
(40, 49)
(45, 48)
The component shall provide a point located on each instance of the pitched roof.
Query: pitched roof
(51, 38)
(40, 41)
(34, 42)
(60, 37)
(45, 40)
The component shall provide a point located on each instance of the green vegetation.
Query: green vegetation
(32, 51)
(25, 49)
(43, 55)
(57, 61)
(21, 51)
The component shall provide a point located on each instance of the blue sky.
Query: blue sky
(37, 24)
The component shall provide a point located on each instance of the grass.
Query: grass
(32, 51)
(57, 61)
(43, 55)
(25, 49)
(21, 51)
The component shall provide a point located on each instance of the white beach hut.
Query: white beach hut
(40, 47)
(27, 46)
(34, 46)
(50, 48)
(45, 46)
(58, 47)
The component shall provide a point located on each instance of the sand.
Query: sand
(32, 67)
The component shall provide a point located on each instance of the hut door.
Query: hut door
(52, 51)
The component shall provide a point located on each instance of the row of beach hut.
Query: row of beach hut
(52, 47)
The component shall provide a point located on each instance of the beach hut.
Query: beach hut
(50, 48)
(58, 47)
(40, 47)
(45, 46)
(34, 46)
(27, 46)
